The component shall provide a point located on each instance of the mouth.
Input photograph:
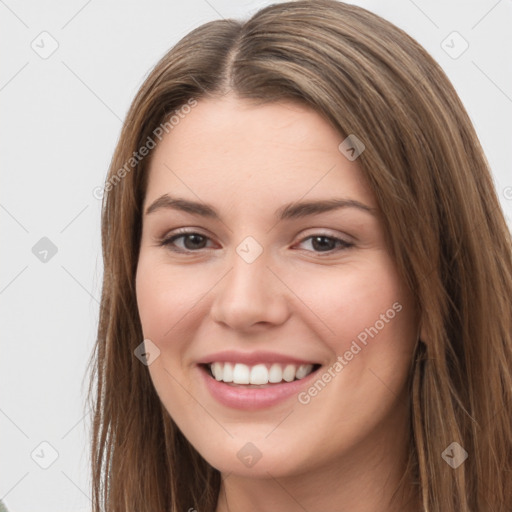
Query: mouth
(253, 387)
(258, 376)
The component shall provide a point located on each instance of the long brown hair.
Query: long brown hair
(447, 233)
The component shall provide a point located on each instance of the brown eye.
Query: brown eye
(191, 242)
(324, 243)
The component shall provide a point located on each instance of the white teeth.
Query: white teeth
(275, 374)
(302, 371)
(240, 374)
(218, 371)
(259, 374)
(289, 372)
(228, 372)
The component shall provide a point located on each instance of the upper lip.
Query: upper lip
(252, 358)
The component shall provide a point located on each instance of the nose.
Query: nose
(251, 295)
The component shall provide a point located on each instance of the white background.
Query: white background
(60, 120)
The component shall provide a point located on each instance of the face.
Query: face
(263, 252)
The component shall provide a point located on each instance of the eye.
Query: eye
(192, 241)
(325, 243)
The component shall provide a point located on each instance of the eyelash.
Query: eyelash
(168, 241)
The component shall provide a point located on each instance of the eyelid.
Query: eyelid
(327, 232)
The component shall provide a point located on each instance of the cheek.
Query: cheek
(152, 299)
(373, 321)
(357, 300)
(165, 296)
(371, 338)
(165, 299)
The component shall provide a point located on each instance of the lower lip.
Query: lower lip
(253, 398)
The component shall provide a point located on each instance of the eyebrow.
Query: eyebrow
(286, 212)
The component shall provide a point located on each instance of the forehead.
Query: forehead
(233, 150)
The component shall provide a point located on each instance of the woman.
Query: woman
(340, 337)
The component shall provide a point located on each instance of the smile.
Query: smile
(263, 380)
(259, 374)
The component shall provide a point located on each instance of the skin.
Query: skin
(347, 445)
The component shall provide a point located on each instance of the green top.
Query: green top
(3, 508)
